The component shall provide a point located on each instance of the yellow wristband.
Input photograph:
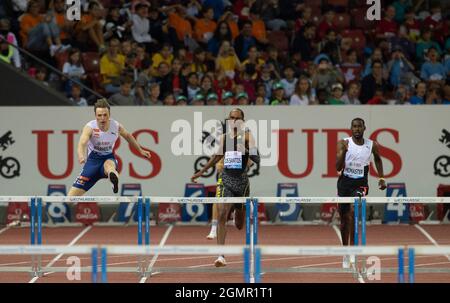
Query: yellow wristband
(379, 179)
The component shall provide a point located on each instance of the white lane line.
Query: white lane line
(4, 229)
(429, 237)
(75, 240)
(155, 257)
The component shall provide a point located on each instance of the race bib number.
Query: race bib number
(233, 160)
(354, 170)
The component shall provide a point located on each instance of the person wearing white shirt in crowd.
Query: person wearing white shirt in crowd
(352, 94)
(302, 94)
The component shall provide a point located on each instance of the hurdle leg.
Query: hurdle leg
(356, 233)
(411, 261)
(141, 265)
(94, 255)
(39, 236)
(363, 236)
(32, 234)
(104, 266)
(401, 269)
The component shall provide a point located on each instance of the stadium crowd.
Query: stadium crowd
(223, 52)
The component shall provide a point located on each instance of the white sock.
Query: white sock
(213, 225)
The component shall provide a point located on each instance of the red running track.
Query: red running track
(268, 235)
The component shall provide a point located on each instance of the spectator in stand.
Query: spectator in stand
(111, 65)
(221, 34)
(261, 93)
(199, 100)
(387, 27)
(164, 77)
(65, 26)
(327, 22)
(330, 46)
(278, 95)
(377, 55)
(193, 8)
(289, 81)
(73, 70)
(177, 20)
(351, 68)
(179, 81)
(206, 85)
(227, 61)
(227, 98)
(164, 55)
(212, 99)
(434, 95)
(426, 42)
(244, 41)
(267, 78)
(400, 69)
(378, 98)
(124, 97)
(302, 94)
(248, 79)
(253, 58)
(117, 25)
(373, 82)
(351, 97)
(326, 75)
(231, 20)
(181, 101)
(401, 96)
(141, 28)
(304, 42)
(75, 96)
(39, 33)
(336, 95)
(433, 70)
(446, 93)
(41, 75)
(274, 62)
(89, 31)
(401, 9)
(169, 99)
(154, 96)
(271, 15)
(304, 17)
(242, 99)
(143, 82)
(192, 88)
(9, 36)
(217, 5)
(419, 96)
(199, 63)
(205, 27)
(436, 23)
(411, 27)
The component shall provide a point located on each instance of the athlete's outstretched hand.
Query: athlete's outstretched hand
(382, 184)
(145, 153)
(196, 176)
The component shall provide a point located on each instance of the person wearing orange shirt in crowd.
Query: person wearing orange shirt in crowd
(258, 27)
(177, 19)
(65, 26)
(205, 27)
(89, 31)
(39, 33)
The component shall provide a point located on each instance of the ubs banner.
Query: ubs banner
(298, 145)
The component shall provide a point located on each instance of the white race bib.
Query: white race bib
(354, 170)
(233, 160)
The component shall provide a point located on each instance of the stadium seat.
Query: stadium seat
(96, 83)
(61, 58)
(358, 16)
(358, 39)
(342, 21)
(279, 40)
(91, 62)
(343, 3)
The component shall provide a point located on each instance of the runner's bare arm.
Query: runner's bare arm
(212, 161)
(130, 139)
(342, 147)
(378, 165)
(82, 144)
